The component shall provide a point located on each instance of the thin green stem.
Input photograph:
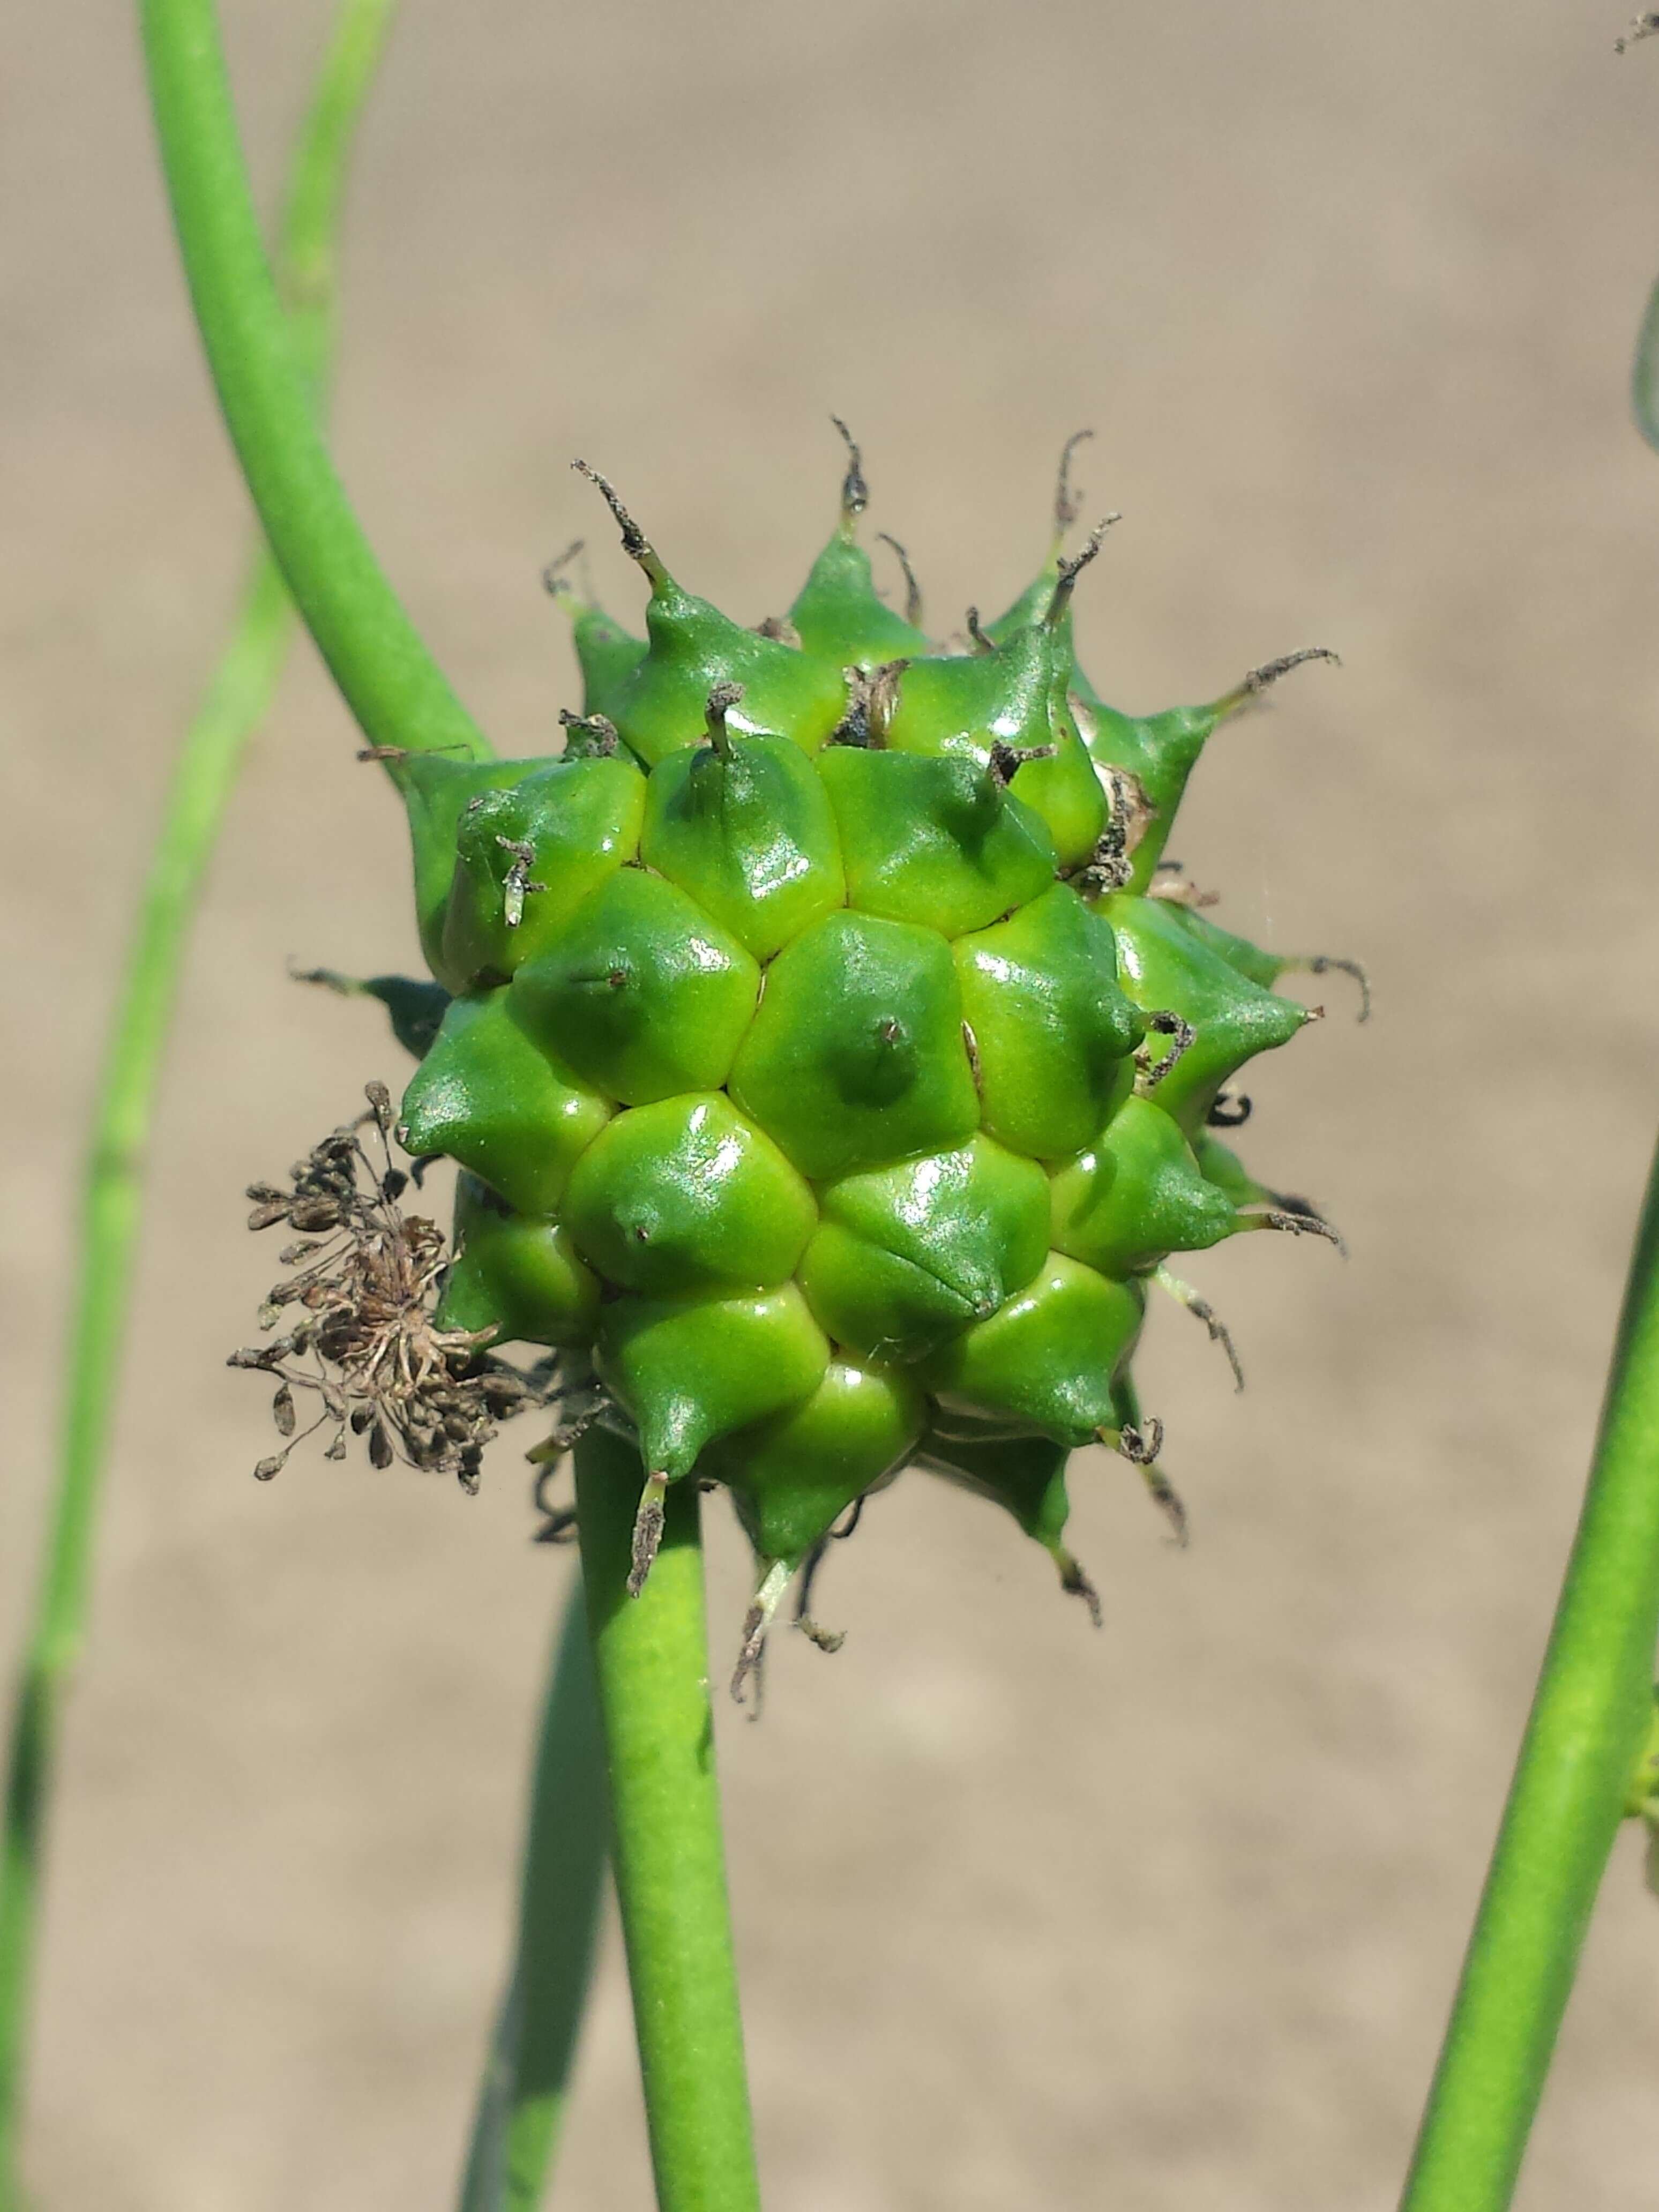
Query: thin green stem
(1589, 1725)
(204, 774)
(388, 677)
(651, 1660)
(521, 2101)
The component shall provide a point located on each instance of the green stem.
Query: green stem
(236, 702)
(526, 2078)
(651, 1660)
(388, 677)
(1589, 1725)
(1644, 376)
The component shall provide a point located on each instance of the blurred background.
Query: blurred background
(1166, 1917)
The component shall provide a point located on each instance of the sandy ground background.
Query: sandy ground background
(1163, 1917)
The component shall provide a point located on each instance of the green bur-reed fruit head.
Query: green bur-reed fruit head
(833, 1053)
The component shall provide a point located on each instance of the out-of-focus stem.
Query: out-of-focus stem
(522, 2102)
(204, 774)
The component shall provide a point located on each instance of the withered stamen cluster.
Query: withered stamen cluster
(366, 1277)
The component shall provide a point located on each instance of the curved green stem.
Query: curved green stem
(651, 1660)
(526, 2078)
(1588, 1727)
(389, 679)
(204, 774)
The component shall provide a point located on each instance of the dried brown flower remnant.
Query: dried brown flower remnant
(365, 1277)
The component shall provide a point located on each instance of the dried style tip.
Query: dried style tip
(757, 1622)
(1067, 503)
(1167, 1498)
(912, 589)
(975, 631)
(554, 579)
(1262, 679)
(1201, 1310)
(1150, 1073)
(1322, 964)
(637, 546)
(722, 701)
(1296, 1221)
(647, 1531)
(1229, 1109)
(367, 1279)
(1072, 569)
(1006, 760)
(1139, 1446)
(588, 737)
(1075, 1582)
(854, 491)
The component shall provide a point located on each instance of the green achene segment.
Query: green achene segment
(746, 830)
(1136, 1194)
(907, 1256)
(436, 792)
(828, 1086)
(937, 841)
(660, 706)
(1160, 751)
(840, 616)
(791, 1478)
(527, 857)
(856, 1056)
(1014, 695)
(487, 1097)
(1052, 1030)
(640, 991)
(1164, 964)
(1050, 1357)
(516, 1274)
(685, 1196)
(689, 1370)
(606, 653)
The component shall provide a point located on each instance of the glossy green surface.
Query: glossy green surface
(574, 824)
(1052, 1030)
(936, 842)
(685, 1197)
(639, 992)
(521, 1273)
(487, 1097)
(791, 1478)
(750, 834)
(840, 617)
(1051, 1355)
(691, 1370)
(661, 706)
(1164, 965)
(856, 1056)
(1136, 1194)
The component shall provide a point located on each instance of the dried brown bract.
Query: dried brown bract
(363, 1281)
